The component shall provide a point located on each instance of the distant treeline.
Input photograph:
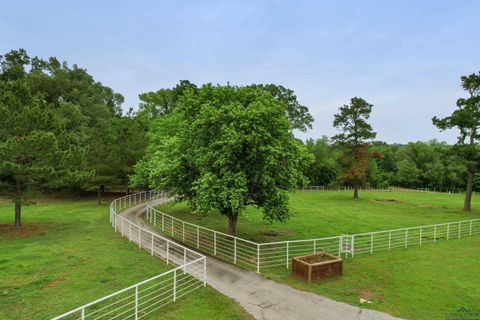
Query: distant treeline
(430, 164)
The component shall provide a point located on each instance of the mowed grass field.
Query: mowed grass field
(323, 214)
(67, 254)
(414, 283)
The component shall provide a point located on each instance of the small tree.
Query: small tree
(354, 140)
(466, 118)
(224, 148)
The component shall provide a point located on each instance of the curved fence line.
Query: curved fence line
(389, 189)
(255, 256)
(143, 298)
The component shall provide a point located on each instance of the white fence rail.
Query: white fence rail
(368, 189)
(408, 237)
(143, 298)
(256, 256)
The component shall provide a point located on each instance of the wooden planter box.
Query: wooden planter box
(315, 267)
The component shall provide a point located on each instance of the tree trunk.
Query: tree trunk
(18, 213)
(232, 224)
(468, 194)
(355, 190)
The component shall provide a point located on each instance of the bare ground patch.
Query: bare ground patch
(8, 231)
(59, 279)
(387, 200)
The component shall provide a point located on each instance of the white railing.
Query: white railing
(407, 237)
(227, 247)
(371, 189)
(256, 256)
(143, 298)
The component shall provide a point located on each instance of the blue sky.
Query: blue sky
(405, 57)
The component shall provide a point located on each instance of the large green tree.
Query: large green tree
(224, 148)
(356, 134)
(466, 118)
(40, 141)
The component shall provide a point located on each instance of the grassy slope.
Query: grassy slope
(333, 213)
(68, 255)
(417, 283)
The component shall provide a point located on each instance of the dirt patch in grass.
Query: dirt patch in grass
(387, 200)
(367, 294)
(9, 232)
(269, 234)
(59, 279)
(431, 206)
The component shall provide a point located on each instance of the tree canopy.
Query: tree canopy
(61, 129)
(224, 148)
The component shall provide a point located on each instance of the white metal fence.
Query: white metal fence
(257, 256)
(369, 189)
(143, 298)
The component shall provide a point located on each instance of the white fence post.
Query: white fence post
(163, 222)
(434, 233)
(183, 231)
(258, 258)
(371, 243)
(204, 272)
(459, 229)
(448, 230)
(83, 313)
(471, 222)
(288, 243)
(184, 259)
(139, 238)
(168, 251)
(172, 227)
(174, 285)
(214, 243)
(198, 237)
(129, 232)
(340, 245)
(389, 240)
(136, 302)
(314, 246)
(353, 245)
(406, 238)
(421, 232)
(235, 250)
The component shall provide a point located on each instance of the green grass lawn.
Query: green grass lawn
(415, 283)
(67, 254)
(323, 214)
